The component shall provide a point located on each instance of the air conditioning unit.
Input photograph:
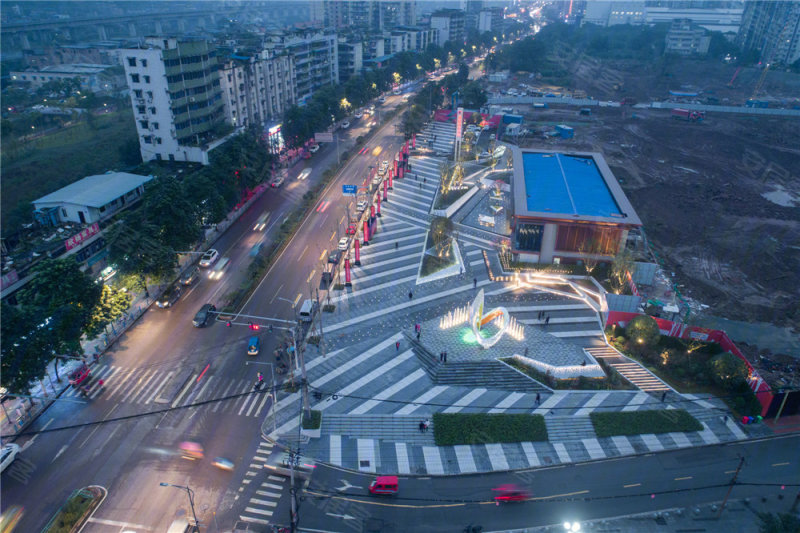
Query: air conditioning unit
(191, 99)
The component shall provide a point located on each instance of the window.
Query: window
(155, 125)
(63, 212)
(131, 61)
(152, 110)
(158, 140)
(140, 109)
(137, 93)
(172, 157)
(587, 239)
(158, 157)
(146, 79)
(135, 78)
(144, 124)
(144, 62)
(147, 140)
(529, 237)
(150, 94)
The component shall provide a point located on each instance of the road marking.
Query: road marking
(64, 447)
(258, 511)
(311, 276)
(321, 257)
(299, 295)
(203, 373)
(159, 387)
(268, 493)
(683, 478)
(254, 520)
(632, 485)
(182, 393)
(124, 525)
(333, 236)
(780, 464)
(301, 255)
(98, 425)
(341, 220)
(279, 288)
(729, 472)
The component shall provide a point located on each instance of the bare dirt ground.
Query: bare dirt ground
(720, 200)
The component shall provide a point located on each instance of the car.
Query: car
(306, 155)
(190, 276)
(382, 99)
(384, 166)
(9, 453)
(219, 270)
(406, 97)
(377, 179)
(79, 375)
(345, 124)
(204, 315)
(361, 205)
(277, 181)
(253, 346)
(359, 114)
(396, 92)
(314, 149)
(209, 258)
(222, 463)
(334, 256)
(169, 296)
(306, 172)
(191, 450)
(343, 243)
(372, 108)
(351, 229)
(510, 493)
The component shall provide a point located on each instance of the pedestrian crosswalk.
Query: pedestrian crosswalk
(151, 388)
(264, 491)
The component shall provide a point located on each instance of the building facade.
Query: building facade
(450, 24)
(315, 54)
(176, 98)
(367, 15)
(724, 17)
(686, 38)
(772, 28)
(351, 57)
(100, 79)
(490, 19)
(257, 88)
(611, 12)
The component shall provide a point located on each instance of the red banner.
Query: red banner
(78, 238)
(366, 233)
(357, 249)
(414, 141)
(378, 212)
(347, 268)
(385, 188)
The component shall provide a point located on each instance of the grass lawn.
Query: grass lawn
(71, 513)
(643, 422)
(482, 428)
(61, 158)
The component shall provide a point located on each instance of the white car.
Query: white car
(343, 243)
(345, 124)
(304, 174)
(314, 149)
(10, 452)
(384, 166)
(209, 258)
(382, 99)
(359, 114)
(361, 205)
(277, 181)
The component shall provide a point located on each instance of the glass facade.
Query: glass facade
(587, 239)
(529, 237)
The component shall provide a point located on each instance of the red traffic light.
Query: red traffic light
(254, 327)
(228, 323)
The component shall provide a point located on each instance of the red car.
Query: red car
(79, 375)
(351, 229)
(510, 493)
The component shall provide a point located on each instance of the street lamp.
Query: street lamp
(190, 492)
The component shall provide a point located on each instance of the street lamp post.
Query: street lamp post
(190, 492)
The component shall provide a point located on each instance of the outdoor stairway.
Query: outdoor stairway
(569, 428)
(638, 375)
(488, 374)
(399, 428)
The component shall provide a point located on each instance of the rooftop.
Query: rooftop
(570, 186)
(96, 191)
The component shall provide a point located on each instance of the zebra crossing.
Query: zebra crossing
(264, 492)
(148, 387)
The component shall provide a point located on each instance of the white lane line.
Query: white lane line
(403, 466)
(118, 386)
(160, 386)
(261, 406)
(224, 394)
(254, 520)
(186, 388)
(258, 511)
(135, 385)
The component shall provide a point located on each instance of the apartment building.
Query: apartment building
(772, 28)
(490, 19)
(686, 38)
(451, 25)
(351, 57)
(316, 57)
(257, 87)
(176, 98)
(367, 15)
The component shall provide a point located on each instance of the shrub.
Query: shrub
(727, 370)
(483, 428)
(642, 422)
(744, 401)
(643, 330)
(314, 421)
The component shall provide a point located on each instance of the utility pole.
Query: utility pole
(299, 354)
(733, 482)
(321, 338)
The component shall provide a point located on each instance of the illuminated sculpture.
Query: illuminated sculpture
(477, 319)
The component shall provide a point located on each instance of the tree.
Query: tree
(25, 352)
(727, 370)
(473, 95)
(441, 229)
(134, 246)
(113, 303)
(168, 209)
(778, 523)
(620, 266)
(642, 330)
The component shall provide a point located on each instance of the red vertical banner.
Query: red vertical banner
(366, 233)
(405, 149)
(385, 194)
(372, 211)
(400, 173)
(390, 182)
(414, 141)
(378, 211)
(357, 249)
(395, 166)
(347, 270)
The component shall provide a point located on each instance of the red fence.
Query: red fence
(682, 331)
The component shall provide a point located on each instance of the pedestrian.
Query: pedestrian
(725, 419)
(540, 315)
(421, 426)
(441, 357)
(538, 399)
(474, 283)
(420, 186)
(397, 346)
(427, 423)
(418, 334)
(396, 245)
(663, 396)
(461, 271)
(424, 180)
(547, 320)
(445, 357)
(410, 295)
(526, 351)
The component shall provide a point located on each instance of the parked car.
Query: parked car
(345, 124)
(334, 256)
(205, 314)
(361, 205)
(359, 114)
(277, 181)
(382, 99)
(314, 149)
(190, 276)
(209, 258)
(79, 375)
(351, 229)
(169, 296)
(253, 346)
(343, 243)
(9, 453)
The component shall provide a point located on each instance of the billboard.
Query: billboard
(459, 122)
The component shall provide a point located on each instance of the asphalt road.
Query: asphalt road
(70, 446)
(338, 501)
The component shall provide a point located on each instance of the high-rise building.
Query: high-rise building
(258, 87)
(351, 57)
(316, 57)
(176, 98)
(611, 12)
(491, 19)
(368, 15)
(472, 10)
(451, 25)
(772, 28)
(724, 16)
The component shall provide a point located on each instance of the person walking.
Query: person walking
(538, 399)
(445, 357)
(663, 396)
(418, 334)
(474, 283)
(421, 426)
(526, 351)
(441, 357)
(396, 245)
(410, 295)
(547, 320)
(397, 346)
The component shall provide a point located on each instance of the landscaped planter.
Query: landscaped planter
(312, 428)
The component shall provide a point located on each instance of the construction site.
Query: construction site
(718, 194)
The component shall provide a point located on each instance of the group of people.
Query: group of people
(545, 316)
(423, 425)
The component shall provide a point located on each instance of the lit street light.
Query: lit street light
(190, 492)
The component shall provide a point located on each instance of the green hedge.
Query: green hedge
(643, 422)
(71, 513)
(482, 428)
(314, 422)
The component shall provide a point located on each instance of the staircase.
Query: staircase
(489, 374)
(398, 428)
(569, 428)
(638, 375)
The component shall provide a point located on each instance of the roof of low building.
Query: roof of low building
(96, 191)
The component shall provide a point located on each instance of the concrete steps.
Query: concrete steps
(569, 428)
(396, 428)
(638, 375)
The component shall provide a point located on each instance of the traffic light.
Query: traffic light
(228, 323)
(254, 327)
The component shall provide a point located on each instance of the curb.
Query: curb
(96, 507)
